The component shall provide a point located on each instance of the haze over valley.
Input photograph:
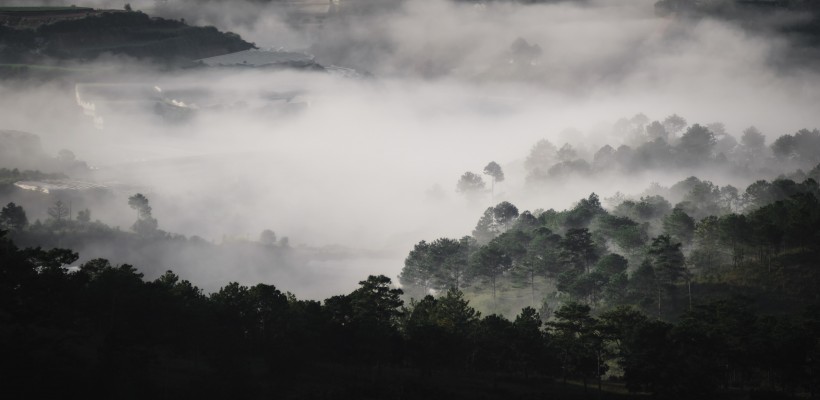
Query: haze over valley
(310, 144)
(449, 88)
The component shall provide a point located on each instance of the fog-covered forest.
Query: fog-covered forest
(410, 199)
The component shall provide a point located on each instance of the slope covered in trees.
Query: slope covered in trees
(703, 298)
(166, 338)
(640, 145)
(761, 242)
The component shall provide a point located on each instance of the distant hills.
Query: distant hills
(37, 35)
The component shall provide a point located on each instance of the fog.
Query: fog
(370, 165)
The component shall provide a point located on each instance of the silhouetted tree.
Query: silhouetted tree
(490, 263)
(84, 216)
(452, 259)
(696, 145)
(419, 269)
(579, 341)
(59, 211)
(578, 249)
(145, 224)
(376, 301)
(528, 341)
(504, 214)
(679, 225)
(541, 157)
(582, 214)
(604, 158)
(494, 170)
(140, 203)
(674, 124)
(487, 228)
(470, 184)
(13, 217)
(801, 147)
(753, 141)
(655, 130)
(668, 264)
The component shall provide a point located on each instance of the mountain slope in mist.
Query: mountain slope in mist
(455, 88)
(132, 34)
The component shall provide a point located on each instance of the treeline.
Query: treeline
(522, 1)
(672, 145)
(644, 298)
(736, 9)
(101, 330)
(22, 157)
(764, 241)
(156, 250)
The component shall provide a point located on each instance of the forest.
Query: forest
(706, 298)
(693, 233)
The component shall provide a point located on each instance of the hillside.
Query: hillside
(798, 19)
(47, 36)
(34, 17)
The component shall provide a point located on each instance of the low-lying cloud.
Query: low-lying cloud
(450, 93)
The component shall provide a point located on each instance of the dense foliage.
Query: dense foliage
(643, 252)
(673, 145)
(682, 301)
(165, 338)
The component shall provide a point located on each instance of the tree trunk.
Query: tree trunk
(689, 284)
(659, 302)
(458, 279)
(532, 286)
(494, 303)
(599, 373)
